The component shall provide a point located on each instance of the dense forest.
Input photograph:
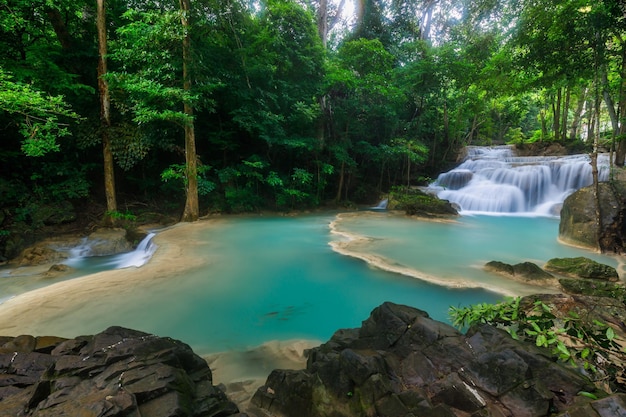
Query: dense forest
(198, 106)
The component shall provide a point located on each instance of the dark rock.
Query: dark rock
(525, 272)
(116, 373)
(415, 202)
(582, 267)
(590, 287)
(578, 224)
(531, 271)
(402, 363)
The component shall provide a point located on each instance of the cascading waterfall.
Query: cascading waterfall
(138, 257)
(495, 180)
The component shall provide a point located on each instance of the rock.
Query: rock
(582, 267)
(418, 203)
(402, 363)
(116, 373)
(525, 272)
(578, 225)
(57, 270)
(590, 287)
(39, 255)
(108, 241)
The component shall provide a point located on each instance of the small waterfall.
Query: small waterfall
(81, 256)
(139, 256)
(495, 180)
(381, 206)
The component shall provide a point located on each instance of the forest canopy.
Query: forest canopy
(234, 106)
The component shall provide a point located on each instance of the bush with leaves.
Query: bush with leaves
(588, 344)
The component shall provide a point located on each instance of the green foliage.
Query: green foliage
(40, 117)
(125, 216)
(586, 343)
(178, 173)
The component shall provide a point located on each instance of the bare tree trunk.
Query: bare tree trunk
(341, 180)
(594, 173)
(556, 112)
(544, 125)
(568, 94)
(105, 115)
(573, 133)
(191, 212)
(60, 28)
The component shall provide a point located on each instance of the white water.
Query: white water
(495, 180)
(138, 257)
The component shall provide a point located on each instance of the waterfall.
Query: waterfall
(495, 180)
(81, 255)
(382, 205)
(142, 254)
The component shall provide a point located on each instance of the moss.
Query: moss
(582, 267)
(417, 203)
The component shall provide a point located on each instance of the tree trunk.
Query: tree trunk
(544, 125)
(573, 133)
(191, 212)
(105, 115)
(568, 94)
(594, 172)
(60, 29)
(556, 112)
(341, 180)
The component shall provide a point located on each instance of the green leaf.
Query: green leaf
(587, 394)
(610, 333)
(541, 340)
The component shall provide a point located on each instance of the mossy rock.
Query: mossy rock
(591, 287)
(418, 203)
(500, 268)
(582, 267)
(531, 271)
(524, 271)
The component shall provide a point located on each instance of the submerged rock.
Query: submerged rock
(116, 373)
(402, 363)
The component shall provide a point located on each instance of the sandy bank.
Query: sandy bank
(243, 372)
(40, 312)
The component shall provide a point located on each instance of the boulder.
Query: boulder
(591, 287)
(116, 373)
(527, 272)
(582, 267)
(578, 225)
(108, 241)
(415, 202)
(402, 363)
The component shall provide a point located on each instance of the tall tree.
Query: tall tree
(105, 114)
(191, 211)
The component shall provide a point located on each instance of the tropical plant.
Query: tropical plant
(584, 342)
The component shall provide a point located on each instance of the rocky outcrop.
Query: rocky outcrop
(582, 267)
(527, 272)
(108, 241)
(415, 202)
(116, 373)
(579, 226)
(402, 363)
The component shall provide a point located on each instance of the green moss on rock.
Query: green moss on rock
(418, 203)
(582, 267)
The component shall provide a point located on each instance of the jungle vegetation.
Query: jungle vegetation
(198, 106)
